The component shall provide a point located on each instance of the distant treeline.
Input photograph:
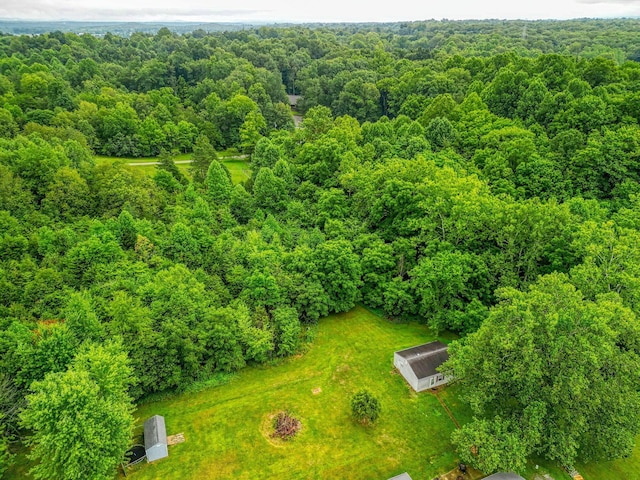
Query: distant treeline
(123, 29)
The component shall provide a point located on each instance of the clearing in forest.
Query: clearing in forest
(237, 164)
(351, 351)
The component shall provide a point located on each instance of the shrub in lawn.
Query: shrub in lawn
(365, 407)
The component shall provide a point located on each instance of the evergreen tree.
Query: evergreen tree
(126, 230)
(365, 407)
(203, 155)
(218, 184)
(167, 163)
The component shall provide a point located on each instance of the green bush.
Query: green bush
(365, 407)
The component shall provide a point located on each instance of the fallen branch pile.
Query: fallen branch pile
(285, 426)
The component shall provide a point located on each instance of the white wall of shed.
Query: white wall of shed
(425, 383)
(405, 369)
(157, 452)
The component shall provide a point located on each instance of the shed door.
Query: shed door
(432, 381)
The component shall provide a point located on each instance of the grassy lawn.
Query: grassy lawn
(628, 468)
(238, 167)
(100, 159)
(224, 426)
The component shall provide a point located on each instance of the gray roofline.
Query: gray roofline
(422, 350)
(504, 476)
(155, 432)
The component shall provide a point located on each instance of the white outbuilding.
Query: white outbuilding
(155, 438)
(402, 476)
(418, 365)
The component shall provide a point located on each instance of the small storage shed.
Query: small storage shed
(402, 476)
(418, 365)
(293, 100)
(155, 438)
(504, 476)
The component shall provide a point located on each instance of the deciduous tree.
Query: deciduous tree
(551, 373)
(81, 419)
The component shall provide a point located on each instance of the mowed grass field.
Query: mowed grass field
(238, 167)
(227, 427)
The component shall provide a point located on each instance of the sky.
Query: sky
(315, 11)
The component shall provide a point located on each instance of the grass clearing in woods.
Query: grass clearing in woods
(238, 167)
(100, 159)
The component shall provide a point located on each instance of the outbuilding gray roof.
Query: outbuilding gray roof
(155, 432)
(424, 359)
(402, 476)
(504, 476)
(293, 99)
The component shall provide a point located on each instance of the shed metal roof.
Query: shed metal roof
(504, 476)
(424, 359)
(155, 432)
(402, 476)
(293, 99)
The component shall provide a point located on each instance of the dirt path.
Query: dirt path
(444, 405)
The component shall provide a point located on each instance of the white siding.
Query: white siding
(432, 382)
(405, 369)
(157, 452)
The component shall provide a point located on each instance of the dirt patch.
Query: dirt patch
(316, 391)
(177, 438)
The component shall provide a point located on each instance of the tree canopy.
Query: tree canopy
(551, 373)
(459, 174)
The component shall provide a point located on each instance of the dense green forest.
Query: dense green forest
(482, 177)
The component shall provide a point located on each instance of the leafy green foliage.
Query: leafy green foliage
(203, 155)
(217, 183)
(543, 358)
(167, 163)
(365, 408)
(287, 330)
(6, 458)
(81, 419)
(432, 174)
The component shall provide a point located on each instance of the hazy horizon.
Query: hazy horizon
(330, 11)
